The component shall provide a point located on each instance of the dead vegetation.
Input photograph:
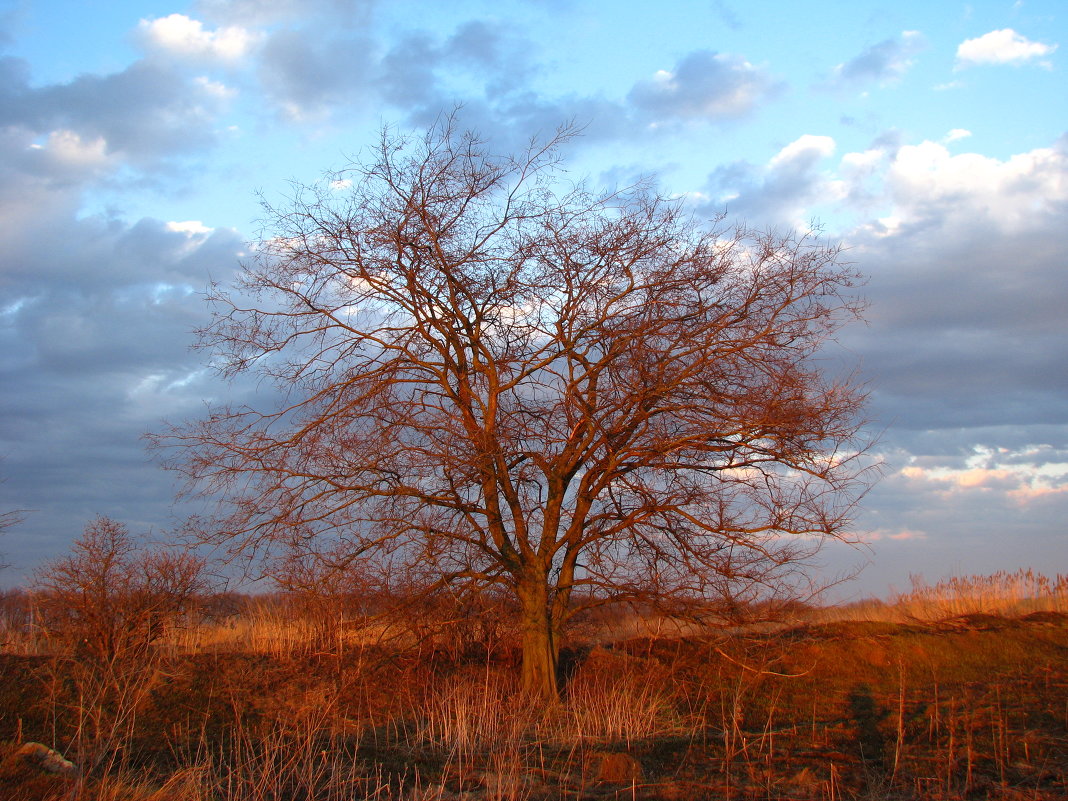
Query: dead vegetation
(899, 706)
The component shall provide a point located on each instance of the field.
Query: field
(956, 691)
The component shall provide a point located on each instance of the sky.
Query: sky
(930, 139)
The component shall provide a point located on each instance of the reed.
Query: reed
(244, 708)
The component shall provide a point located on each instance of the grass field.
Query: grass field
(955, 691)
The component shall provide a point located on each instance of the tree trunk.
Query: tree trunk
(541, 646)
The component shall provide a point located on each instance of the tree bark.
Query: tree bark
(541, 646)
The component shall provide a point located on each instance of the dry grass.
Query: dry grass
(898, 706)
(1003, 594)
(269, 625)
(1006, 594)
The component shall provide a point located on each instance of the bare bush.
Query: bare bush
(331, 599)
(112, 598)
(103, 609)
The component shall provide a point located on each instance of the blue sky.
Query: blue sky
(930, 138)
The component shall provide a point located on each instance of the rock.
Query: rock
(45, 759)
(615, 767)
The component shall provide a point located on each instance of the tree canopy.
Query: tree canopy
(497, 378)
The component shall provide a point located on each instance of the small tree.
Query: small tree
(494, 379)
(111, 599)
(106, 604)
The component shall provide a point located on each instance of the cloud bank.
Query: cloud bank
(109, 235)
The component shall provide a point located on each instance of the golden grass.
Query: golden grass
(815, 713)
(276, 710)
(1003, 594)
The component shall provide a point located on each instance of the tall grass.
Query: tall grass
(1006, 594)
(1002, 593)
(269, 625)
(430, 725)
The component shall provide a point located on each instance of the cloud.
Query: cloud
(1005, 46)
(262, 13)
(703, 86)
(95, 323)
(997, 470)
(884, 62)
(895, 534)
(308, 74)
(908, 534)
(189, 227)
(929, 186)
(780, 191)
(727, 15)
(59, 158)
(966, 290)
(481, 63)
(960, 502)
(965, 343)
(409, 73)
(803, 152)
(143, 113)
(180, 36)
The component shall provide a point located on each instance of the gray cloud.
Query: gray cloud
(490, 56)
(964, 349)
(775, 193)
(95, 312)
(919, 524)
(967, 292)
(307, 75)
(409, 74)
(882, 62)
(340, 13)
(703, 86)
(143, 113)
(967, 335)
(93, 352)
(728, 15)
(966, 342)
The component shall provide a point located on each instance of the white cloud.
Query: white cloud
(68, 148)
(908, 534)
(1000, 47)
(806, 147)
(863, 162)
(215, 89)
(179, 35)
(925, 183)
(189, 228)
(784, 189)
(990, 470)
(896, 534)
(955, 134)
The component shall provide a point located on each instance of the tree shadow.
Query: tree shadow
(867, 715)
(571, 659)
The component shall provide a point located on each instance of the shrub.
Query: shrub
(111, 597)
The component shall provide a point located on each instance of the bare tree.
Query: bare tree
(106, 605)
(495, 378)
(111, 599)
